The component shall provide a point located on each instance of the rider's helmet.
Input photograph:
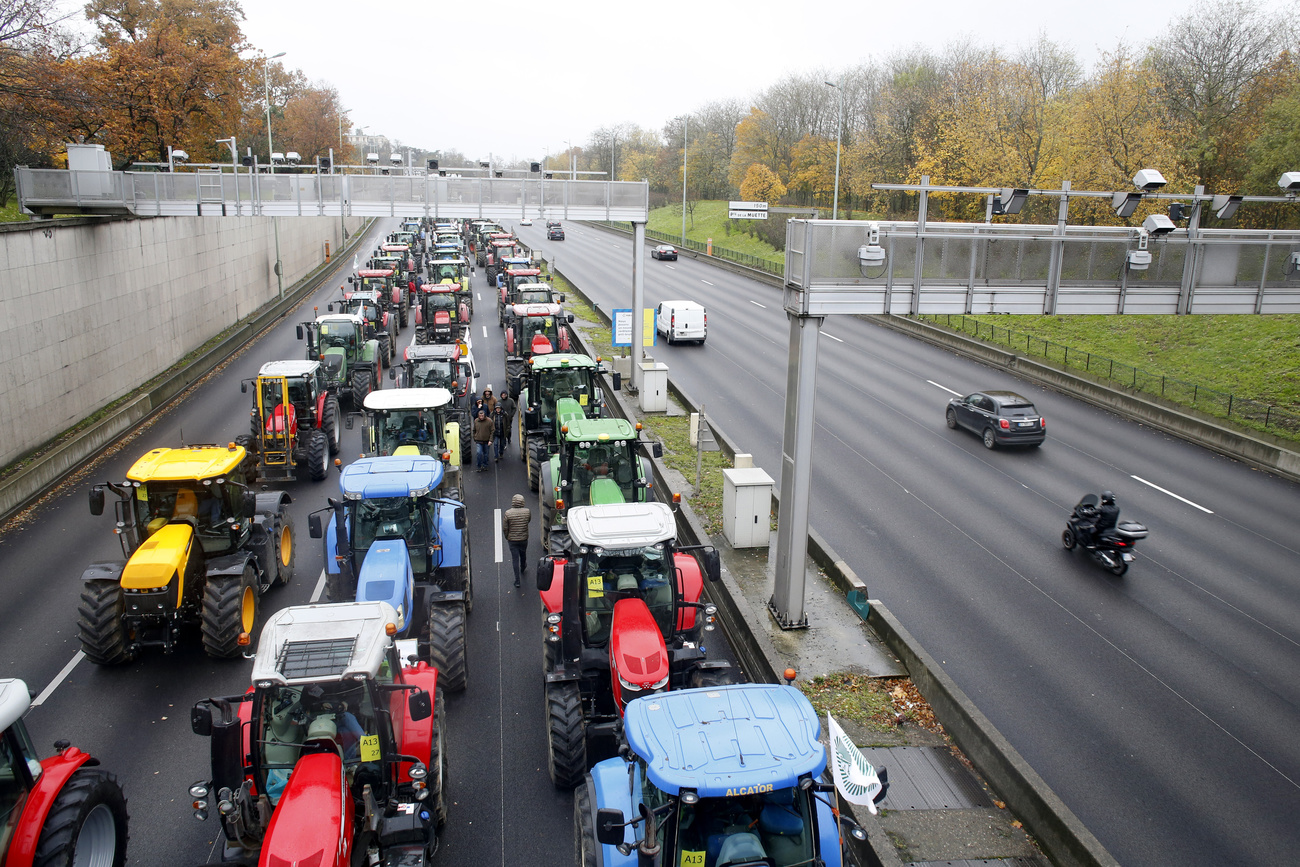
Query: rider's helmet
(1107, 498)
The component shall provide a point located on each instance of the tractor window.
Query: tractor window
(775, 826)
(337, 333)
(15, 751)
(413, 427)
(436, 373)
(387, 518)
(614, 574)
(337, 717)
(300, 391)
(203, 506)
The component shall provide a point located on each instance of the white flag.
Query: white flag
(855, 778)
(356, 266)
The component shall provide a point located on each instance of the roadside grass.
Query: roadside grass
(11, 214)
(876, 704)
(710, 221)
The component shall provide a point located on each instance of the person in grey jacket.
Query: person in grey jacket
(514, 526)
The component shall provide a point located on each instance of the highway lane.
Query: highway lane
(1162, 705)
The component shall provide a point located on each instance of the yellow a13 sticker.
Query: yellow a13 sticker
(692, 859)
(595, 586)
(369, 748)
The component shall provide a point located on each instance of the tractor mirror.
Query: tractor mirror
(250, 503)
(392, 373)
(609, 826)
(458, 518)
(419, 705)
(330, 307)
(314, 528)
(300, 332)
(569, 317)
(201, 719)
(712, 563)
(348, 420)
(243, 388)
(545, 572)
(561, 298)
(352, 279)
(656, 449)
(97, 500)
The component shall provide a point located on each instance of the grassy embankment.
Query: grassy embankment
(710, 221)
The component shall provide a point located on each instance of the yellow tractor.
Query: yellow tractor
(201, 547)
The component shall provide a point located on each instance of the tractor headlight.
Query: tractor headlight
(199, 790)
(660, 684)
(418, 772)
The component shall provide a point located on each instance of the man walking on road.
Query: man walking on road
(514, 526)
(483, 429)
(499, 428)
(507, 403)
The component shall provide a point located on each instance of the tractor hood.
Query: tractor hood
(161, 556)
(335, 361)
(391, 476)
(637, 653)
(311, 824)
(386, 577)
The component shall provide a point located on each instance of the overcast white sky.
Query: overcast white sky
(569, 68)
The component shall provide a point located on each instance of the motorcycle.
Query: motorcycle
(1114, 549)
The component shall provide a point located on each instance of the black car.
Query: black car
(1001, 418)
(555, 233)
(664, 252)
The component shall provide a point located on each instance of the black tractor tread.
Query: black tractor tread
(283, 572)
(87, 789)
(100, 625)
(318, 456)
(447, 644)
(361, 381)
(466, 444)
(438, 760)
(566, 735)
(515, 377)
(248, 442)
(221, 616)
(584, 829)
(385, 348)
(537, 453)
(707, 677)
(329, 424)
(467, 573)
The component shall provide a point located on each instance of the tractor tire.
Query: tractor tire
(1068, 539)
(286, 550)
(466, 445)
(447, 644)
(318, 456)
(404, 315)
(705, 677)
(566, 735)
(537, 454)
(230, 606)
(438, 761)
(329, 424)
(249, 443)
(99, 623)
(86, 823)
(385, 348)
(467, 574)
(515, 377)
(546, 504)
(361, 381)
(584, 829)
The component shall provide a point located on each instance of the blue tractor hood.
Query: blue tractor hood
(726, 741)
(390, 476)
(386, 577)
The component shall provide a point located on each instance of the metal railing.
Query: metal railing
(1211, 401)
(758, 263)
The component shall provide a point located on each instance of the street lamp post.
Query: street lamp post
(685, 125)
(341, 112)
(839, 135)
(266, 89)
(234, 165)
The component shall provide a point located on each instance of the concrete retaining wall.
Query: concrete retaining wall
(92, 309)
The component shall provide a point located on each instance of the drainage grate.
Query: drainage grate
(926, 778)
(326, 657)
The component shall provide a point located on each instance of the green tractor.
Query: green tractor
(417, 421)
(596, 464)
(554, 390)
(351, 360)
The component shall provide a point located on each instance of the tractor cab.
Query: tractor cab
(437, 365)
(534, 329)
(339, 730)
(373, 308)
(442, 315)
(412, 421)
(294, 420)
(545, 380)
(501, 246)
(350, 359)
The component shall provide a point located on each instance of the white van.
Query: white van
(682, 320)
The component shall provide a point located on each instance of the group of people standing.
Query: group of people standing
(493, 424)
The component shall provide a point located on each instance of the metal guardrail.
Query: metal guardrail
(749, 260)
(45, 192)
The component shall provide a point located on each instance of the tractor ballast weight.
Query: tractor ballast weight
(201, 548)
(733, 770)
(623, 617)
(391, 538)
(294, 421)
(351, 360)
(546, 380)
(337, 750)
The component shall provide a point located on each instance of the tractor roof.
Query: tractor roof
(622, 525)
(354, 318)
(187, 462)
(316, 643)
(291, 369)
(726, 741)
(375, 272)
(424, 351)
(517, 260)
(523, 272)
(536, 309)
(395, 247)
(391, 476)
(14, 701)
(361, 295)
(393, 399)
(559, 360)
(598, 430)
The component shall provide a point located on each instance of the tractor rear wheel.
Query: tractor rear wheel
(329, 424)
(438, 761)
(566, 735)
(584, 829)
(249, 443)
(536, 456)
(404, 315)
(229, 607)
(361, 380)
(385, 348)
(318, 456)
(286, 549)
(86, 824)
(447, 644)
(466, 444)
(515, 377)
(100, 625)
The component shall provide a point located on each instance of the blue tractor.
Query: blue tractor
(392, 539)
(713, 777)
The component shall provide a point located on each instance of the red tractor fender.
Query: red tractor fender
(503, 296)
(397, 295)
(553, 596)
(637, 653)
(419, 315)
(55, 772)
(416, 737)
(564, 339)
(320, 408)
(464, 313)
(312, 823)
(510, 340)
(690, 586)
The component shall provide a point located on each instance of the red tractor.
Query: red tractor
(533, 329)
(501, 245)
(58, 811)
(335, 756)
(623, 619)
(443, 316)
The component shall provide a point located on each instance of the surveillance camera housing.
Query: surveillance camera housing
(293, 158)
(395, 159)
(871, 255)
(1290, 182)
(1225, 206)
(372, 158)
(1158, 224)
(277, 158)
(179, 156)
(1148, 180)
(1125, 203)
(1139, 260)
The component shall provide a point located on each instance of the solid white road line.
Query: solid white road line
(944, 387)
(485, 332)
(478, 296)
(58, 679)
(831, 336)
(1172, 494)
(706, 282)
(755, 303)
(320, 587)
(496, 536)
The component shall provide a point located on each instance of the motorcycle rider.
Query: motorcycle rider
(1107, 518)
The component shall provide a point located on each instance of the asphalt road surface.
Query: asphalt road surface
(1162, 706)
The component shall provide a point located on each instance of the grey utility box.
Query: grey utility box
(746, 507)
(654, 386)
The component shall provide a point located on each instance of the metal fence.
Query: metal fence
(1211, 401)
(758, 263)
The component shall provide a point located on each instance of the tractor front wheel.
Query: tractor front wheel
(86, 824)
(447, 644)
(286, 549)
(566, 735)
(361, 381)
(100, 625)
(584, 828)
(329, 424)
(537, 455)
(386, 348)
(229, 607)
(438, 761)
